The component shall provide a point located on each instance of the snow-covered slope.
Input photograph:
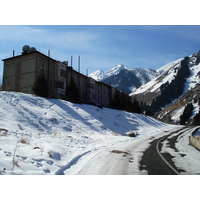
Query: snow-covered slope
(48, 136)
(168, 66)
(155, 84)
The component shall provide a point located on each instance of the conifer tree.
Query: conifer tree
(186, 113)
(116, 104)
(136, 107)
(196, 119)
(72, 92)
(40, 86)
(123, 101)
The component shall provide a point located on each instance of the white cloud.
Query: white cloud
(63, 40)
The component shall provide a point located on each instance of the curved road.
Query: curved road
(157, 163)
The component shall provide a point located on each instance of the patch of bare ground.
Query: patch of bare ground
(3, 132)
(118, 151)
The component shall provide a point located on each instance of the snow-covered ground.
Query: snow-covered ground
(50, 136)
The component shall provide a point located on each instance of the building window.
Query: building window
(63, 73)
(92, 86)
(60, 85)
(41, 66)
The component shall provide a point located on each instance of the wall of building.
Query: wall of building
(98, 93)
(106, 95)
(90, 90)
(47, 65)
(20, 72)
(81, 83)
(83, 88)
(60, 80)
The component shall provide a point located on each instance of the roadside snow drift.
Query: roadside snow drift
(48, 136)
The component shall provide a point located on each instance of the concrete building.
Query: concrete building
(90, 90)
(20, 73)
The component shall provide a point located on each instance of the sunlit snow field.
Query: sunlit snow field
(43, 136)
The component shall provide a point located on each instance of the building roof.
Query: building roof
(28, 54)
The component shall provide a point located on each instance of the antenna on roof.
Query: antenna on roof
(71, 60)
(79, 64)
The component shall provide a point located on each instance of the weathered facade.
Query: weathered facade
(60, 79)
(90, 90)
(21, 71)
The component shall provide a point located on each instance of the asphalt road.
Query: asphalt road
(157, 163)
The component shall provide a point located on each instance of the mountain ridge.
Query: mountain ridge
(125, 78)
(171, 94)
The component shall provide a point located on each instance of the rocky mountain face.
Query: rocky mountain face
(165, 88)
(184, 110)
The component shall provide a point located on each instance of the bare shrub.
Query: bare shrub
(24, 140)
(116, 133)
(133, 134)
(15, 159)
(15, 162)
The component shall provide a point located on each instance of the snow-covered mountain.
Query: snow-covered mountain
(178, 79)
(125, 78)
(166, 73)
(172, 71)
(97, 75)
(100, 75)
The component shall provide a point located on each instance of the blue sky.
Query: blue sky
(103, 46)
